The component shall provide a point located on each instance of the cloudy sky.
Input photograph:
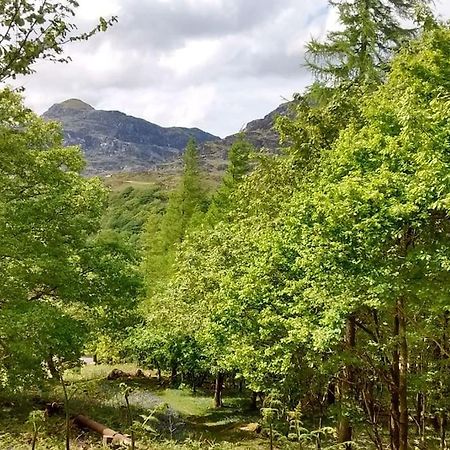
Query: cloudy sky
(212, 64)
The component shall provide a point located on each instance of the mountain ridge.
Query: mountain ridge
(113, 141)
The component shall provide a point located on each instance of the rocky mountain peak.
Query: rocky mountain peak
(113, 141)
(70, 107)
(76, 104)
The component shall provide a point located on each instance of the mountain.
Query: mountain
(115, 142)
(259, 132)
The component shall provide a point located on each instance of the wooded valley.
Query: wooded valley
(298, 302)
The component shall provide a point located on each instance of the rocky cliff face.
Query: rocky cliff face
(260, 133)
(114, 142)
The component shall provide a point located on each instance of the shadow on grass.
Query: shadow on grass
(103, 401)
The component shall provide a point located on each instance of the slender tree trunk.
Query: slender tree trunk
(345, 430)
(66, 410)
(443, 429)
(158, 370)
(130, 420)
(174, 375)
(369, 404)
(51, 367)
(444, 356)
(318, 436)
(253, 399)
(331, 393)
(218, 390)
(34, 439)
(420, 412)
(403, 375)
(394, 422)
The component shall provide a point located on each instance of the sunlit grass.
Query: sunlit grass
(185, 402)
(96, 371)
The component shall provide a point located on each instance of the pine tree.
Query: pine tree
(350, 63)
(238, 167)
(372, 32)
(163, 234)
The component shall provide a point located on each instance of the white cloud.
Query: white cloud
(193, 55)
(213, 64)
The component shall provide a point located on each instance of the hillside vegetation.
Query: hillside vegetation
(293, 298)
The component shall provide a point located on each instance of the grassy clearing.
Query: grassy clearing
(165, 178)
(184, 420)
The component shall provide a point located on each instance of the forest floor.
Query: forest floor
(164, 418)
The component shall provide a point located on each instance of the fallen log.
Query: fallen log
(110, 437)
(117, 374)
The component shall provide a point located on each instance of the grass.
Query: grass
(163, 178)
(184, 420)
(196, 424)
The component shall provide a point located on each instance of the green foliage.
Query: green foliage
(129, 208)
(47, 213)
(238, 167)
(307, 242)
(163, 233)
(38, 30)
(361, 51)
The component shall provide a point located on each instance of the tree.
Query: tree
(163, 233)
(48, 211)
(111, 288)
(238, 167)
(372, 32)
(350, 62)
(33, 30)
(370, 246)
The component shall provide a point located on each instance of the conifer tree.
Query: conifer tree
(164, 233)
(238, 167)
(351, 62)
(372, 32)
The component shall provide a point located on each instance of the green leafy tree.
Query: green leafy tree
(238, 167)
(47, 213)
(186, 205)
(34, 30)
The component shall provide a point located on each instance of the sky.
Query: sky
(211, 64)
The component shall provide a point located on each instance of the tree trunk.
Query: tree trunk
(218, 390)
(443, 428)
(331, 393)
(253, 399)
(403, 375)
(420, 412)
(372, 413)
(173, 375)
(345, 430)
(394, 421)
(444, 356)
(66, 410)
(158, 370)
(51, 367)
